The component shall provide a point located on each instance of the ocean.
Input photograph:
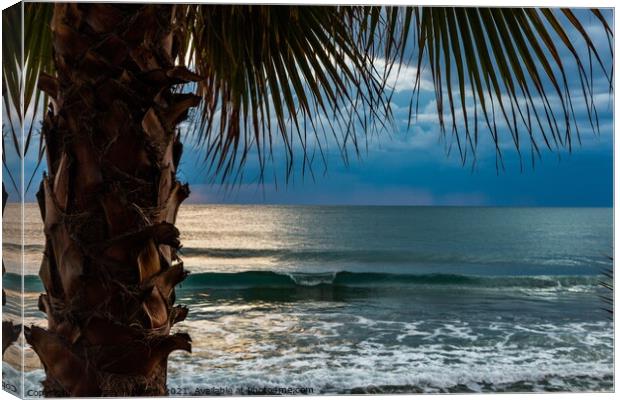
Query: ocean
(322, 299)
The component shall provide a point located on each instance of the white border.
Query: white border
(481, 3)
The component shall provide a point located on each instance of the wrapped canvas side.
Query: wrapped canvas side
(12, 202)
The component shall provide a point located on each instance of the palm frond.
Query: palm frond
(38, 58)
(607, 286)
(23, 101)
(12, 62)
(310, 77)
(278, 72)
(509, 62)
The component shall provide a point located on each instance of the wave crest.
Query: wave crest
(257, 279)
(271, 279)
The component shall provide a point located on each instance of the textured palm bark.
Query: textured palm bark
(110, 200)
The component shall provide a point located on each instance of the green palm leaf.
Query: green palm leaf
(508, 60)
(271, 79)
(22, 100)
(309, 76)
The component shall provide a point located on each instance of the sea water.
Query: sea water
(383, 299)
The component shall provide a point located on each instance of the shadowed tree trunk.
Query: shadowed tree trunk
(110, 200)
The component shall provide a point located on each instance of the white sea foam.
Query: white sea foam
(446, 355)
(281, 350)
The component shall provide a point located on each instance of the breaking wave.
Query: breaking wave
(257, 279)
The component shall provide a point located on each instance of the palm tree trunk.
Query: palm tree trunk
(110, 199)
